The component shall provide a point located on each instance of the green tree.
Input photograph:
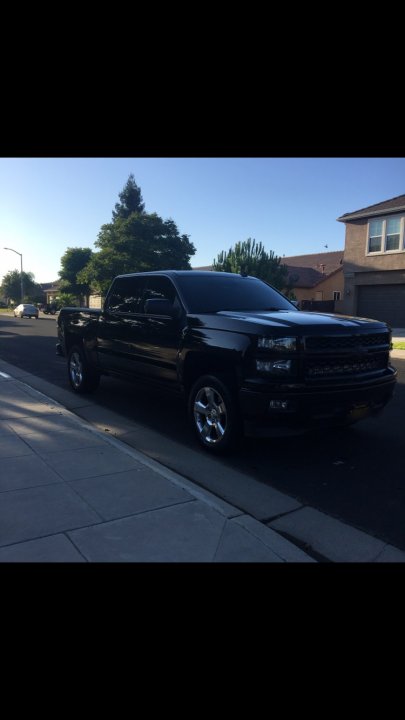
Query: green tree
(135, 241)
(11, 287)
(289, 287)
(72, 262)
(66, 300)
(131, 200)
(251, 258)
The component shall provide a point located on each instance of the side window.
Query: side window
(126, 296)
(159, 288)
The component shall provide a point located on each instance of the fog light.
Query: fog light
(278, 404)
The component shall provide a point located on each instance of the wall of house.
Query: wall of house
(327, 287)
(304, 293)
(51, 295)
(96, 301)
(362, 269)
(355, 258)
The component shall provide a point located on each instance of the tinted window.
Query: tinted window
(129, 294)
(126, 296)
(212, 293)
(158, 288)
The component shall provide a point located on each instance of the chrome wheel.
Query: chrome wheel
(82, 378)
(210, 415)
(76, 370)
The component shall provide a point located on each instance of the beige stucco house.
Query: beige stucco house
(318, 276)
(51, 291)
(374, 262)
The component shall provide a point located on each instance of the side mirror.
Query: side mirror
(159, 306)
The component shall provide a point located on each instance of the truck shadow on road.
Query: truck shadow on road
(350, 473)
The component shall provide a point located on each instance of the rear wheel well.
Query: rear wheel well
(70, 339)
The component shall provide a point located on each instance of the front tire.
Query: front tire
(82, 378)
(214, 414)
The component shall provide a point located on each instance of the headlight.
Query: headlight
(278, 367)
(282, 344)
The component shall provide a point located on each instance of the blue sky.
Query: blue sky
(289, 204)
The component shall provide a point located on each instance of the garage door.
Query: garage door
(382, 302)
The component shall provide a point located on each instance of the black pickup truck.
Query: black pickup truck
(235, 347)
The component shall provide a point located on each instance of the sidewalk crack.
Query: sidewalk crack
(220, 539)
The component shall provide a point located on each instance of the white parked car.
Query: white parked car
(27, 310)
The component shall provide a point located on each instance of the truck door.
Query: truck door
(160, 334)
(134, 342)
(117, 334)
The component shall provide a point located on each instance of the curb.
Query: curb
(286, 550)
(335, 541)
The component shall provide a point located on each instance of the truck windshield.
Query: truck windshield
(214, 292)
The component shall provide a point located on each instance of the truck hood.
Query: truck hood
(285, 321)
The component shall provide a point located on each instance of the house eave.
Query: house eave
(360, 216)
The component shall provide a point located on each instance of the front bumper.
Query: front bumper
(307, 406)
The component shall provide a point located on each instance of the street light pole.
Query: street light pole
(21, 277)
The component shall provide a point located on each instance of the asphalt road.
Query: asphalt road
(355, 475)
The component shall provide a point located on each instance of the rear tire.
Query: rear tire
(214, 414)
(82, 377)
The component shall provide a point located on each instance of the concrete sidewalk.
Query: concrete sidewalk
(69, 493)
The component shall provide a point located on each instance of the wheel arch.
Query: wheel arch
(71, 339)
(196, 364)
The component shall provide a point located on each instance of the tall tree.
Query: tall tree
(11, 287)
(135, 241)
(251, 258)
(131, 200)
(72, 262)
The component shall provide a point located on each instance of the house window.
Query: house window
(375, 236)
(386, 235)
(336, 294)
(393, 233)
